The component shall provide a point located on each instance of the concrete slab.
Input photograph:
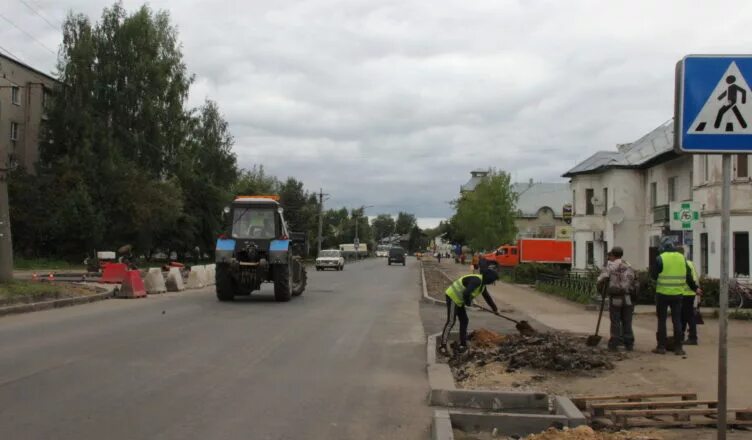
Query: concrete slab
(196, 278)
(154, 281)
(174, 280)
(441, 428)
(211, 274)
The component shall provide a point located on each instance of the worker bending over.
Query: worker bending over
(460, 294)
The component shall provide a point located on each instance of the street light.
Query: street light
(357, 239)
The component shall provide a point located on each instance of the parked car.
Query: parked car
(330, 259)
(396, 255)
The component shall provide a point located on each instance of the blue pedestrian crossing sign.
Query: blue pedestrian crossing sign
(713, 111)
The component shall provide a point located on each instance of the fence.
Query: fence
(573, 286)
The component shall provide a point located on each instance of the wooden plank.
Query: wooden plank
(674, 423)
(669, 411)
(582, 400)
(600, 409)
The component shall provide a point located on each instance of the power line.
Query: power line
(39, 14)
(12, 55)
(28, 34)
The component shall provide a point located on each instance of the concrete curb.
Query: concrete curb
(482, 409)
(55, 303)
(426, 298)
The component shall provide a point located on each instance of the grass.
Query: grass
(742, 315)
(20, 263)
(29, 291)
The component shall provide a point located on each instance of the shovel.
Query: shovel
(594, 340)
(523, 327)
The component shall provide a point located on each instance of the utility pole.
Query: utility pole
(6, 245)
(321, 216)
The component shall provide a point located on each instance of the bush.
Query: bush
(711, 288)
(645, 288)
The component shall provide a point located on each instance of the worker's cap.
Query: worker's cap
(667, 244)
(489, 276)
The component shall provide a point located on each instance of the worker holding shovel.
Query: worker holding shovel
(460, 294)
(617, 281)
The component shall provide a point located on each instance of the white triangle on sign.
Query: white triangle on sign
(728, 109)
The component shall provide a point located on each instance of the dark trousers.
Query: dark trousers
(688, 317)
(621, 326)
(662, 304)
(454, 312)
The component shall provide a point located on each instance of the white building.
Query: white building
(641, 179)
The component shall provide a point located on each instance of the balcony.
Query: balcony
(661, 214)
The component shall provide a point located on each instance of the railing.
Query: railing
(571, 286)
(660, 214)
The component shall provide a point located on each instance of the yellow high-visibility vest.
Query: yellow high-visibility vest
(455, 290)
(673, 278)
(688, 291)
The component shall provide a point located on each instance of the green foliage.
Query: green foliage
(527, 273)
(21, 263)
(383, 226)
(30, 291)
(577, 295)
(485, 217)
(405, 223)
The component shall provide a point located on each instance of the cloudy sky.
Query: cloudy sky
(392, 102)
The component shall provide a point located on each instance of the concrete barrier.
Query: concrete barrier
(197, 278)
(174, 281)
(133, 286)
(114, 273)
(211, 274)
(154, 281)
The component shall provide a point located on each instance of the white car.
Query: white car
(330, 259)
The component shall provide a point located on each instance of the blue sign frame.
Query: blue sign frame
(696, 78)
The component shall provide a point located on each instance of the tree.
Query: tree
(485, 216)
(383, 226)
(405, 223)
(255, 181)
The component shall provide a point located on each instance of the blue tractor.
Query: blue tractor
(258, 248)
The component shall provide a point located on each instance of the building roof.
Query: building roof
(635, 155)
(26, 66)
(475, 178)
(534, 196)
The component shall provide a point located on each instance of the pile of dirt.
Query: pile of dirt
(558, 352)
(483, 338)
(587, 433)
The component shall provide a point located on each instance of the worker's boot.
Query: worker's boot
(659, 350)
(443, 350)
(461, 348)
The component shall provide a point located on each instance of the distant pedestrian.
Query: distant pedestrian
(438, 257)
(672, 275)
(689, 304)
(476, 261)
(617, 281)
(462, 258)
(461, 294)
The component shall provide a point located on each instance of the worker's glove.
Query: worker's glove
(468, 302)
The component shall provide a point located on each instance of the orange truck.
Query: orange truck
(532, 250)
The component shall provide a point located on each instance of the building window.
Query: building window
(589, 208)
(14, 131)
(605, 201)
(741, 253)
(671, 189)
(15, 95)
(742, 170)
(653, 194)
(589, 253)
(704, 253)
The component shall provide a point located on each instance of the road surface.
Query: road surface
(344, 361)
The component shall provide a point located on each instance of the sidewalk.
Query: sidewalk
(646, 371)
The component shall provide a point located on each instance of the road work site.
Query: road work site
(621, 395)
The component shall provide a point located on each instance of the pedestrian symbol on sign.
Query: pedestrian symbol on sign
(685, 214)
(727, 109)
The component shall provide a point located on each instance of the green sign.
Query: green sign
(684, 216)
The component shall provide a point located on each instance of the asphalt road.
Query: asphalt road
(344, 361)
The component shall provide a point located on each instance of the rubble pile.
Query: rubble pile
(543, 352)
(587, 433)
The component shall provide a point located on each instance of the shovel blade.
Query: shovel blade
(525, 328)
(593, 340)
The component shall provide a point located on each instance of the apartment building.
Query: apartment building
(623, 198)
(23, 99)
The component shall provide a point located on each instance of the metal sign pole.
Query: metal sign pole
(723, 299)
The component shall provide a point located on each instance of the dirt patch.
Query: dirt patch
(587, 433)
(436, 282)
(27, 292)
(513, 361)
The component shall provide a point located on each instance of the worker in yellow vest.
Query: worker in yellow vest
(460, 294)
(689, 303)
(672, 275)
